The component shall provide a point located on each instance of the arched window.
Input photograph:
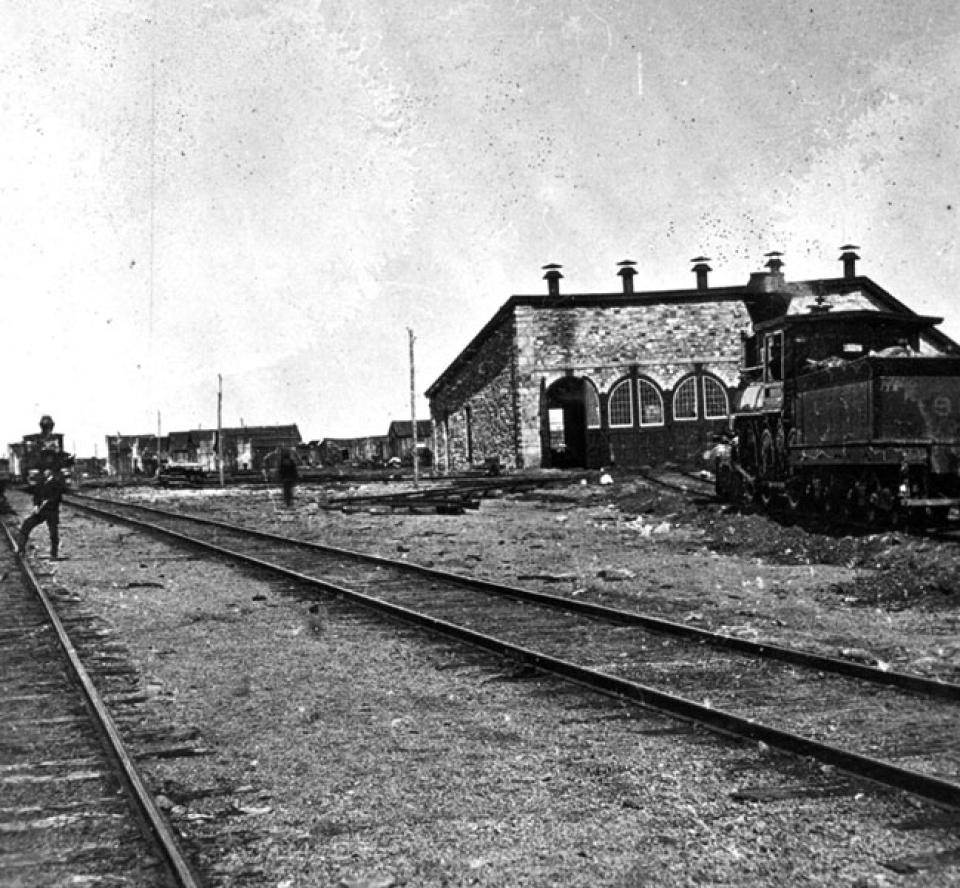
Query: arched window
(651, 403)
(621, 405)
(685, 399)
(591, 404)
(715, 404)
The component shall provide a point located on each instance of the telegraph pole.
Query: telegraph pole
(220, 426)
(413, 412)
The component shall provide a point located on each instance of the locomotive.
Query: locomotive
(42, 451)
(839, 413)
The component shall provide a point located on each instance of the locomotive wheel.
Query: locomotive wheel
(848, 505)
(872, 513)
(724, 482)
(838, 503)
(897, 517)
(742, 489)
(735, 488)
(795, 494)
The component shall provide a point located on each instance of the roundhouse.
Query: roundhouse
(627, 378)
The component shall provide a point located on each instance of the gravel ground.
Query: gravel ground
(343, 751)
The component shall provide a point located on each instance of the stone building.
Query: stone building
(628, 378)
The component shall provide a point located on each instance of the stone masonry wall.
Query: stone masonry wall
(499, 392)
(477, 407)
(664, 342)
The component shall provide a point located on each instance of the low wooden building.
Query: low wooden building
(400, 438)
(245, 448)
(369, 450)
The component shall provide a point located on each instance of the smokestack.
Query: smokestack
(849, 259)
(701, 269)
(552, 277)
(627, 271)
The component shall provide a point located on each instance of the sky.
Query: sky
(268, 199)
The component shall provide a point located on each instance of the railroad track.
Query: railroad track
(73, 808)
(895, 729)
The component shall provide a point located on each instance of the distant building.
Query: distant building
(308, 453)
(369, 450)
(400, 440)
(257, 447)
(584, 380)
(89, 467)
(244, 448)
(131, 455)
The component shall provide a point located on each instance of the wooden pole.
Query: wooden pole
(413, 412)
(220, 426)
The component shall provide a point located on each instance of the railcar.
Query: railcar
(839, 412)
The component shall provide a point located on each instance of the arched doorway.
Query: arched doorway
(564, 424)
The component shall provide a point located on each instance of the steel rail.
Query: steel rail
(892, 678)
(156, 828)
(941, 792)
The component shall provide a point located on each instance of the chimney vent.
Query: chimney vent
(775, 264)
(701, 269)
(849, 259)
(627, 271)
(552, 277)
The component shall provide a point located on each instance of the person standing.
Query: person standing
(288, 476)
(47, 495)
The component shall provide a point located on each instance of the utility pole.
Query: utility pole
(220, 426)
(413, 412)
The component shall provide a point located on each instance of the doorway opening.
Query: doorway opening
(565, 424)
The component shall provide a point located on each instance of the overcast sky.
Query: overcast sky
(276, 191)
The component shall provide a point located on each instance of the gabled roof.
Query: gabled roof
(183, 440)
(267, 436)
(403, 428)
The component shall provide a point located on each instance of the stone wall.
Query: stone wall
(475, 412)
(495, 406)
(665, 343)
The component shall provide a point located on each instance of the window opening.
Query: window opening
(715, 404)
(773, 348)
(651, 404)
(685, 399)
(557, 439)
(621, 405)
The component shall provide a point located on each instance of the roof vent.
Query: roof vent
(774, 263)
(701, 269)
(849, 259)
(627, 271)
(552, 277)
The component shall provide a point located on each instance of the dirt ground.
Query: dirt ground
(887, 598)
(316, 770)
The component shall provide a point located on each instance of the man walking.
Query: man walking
(47, 494)
(288, 476)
